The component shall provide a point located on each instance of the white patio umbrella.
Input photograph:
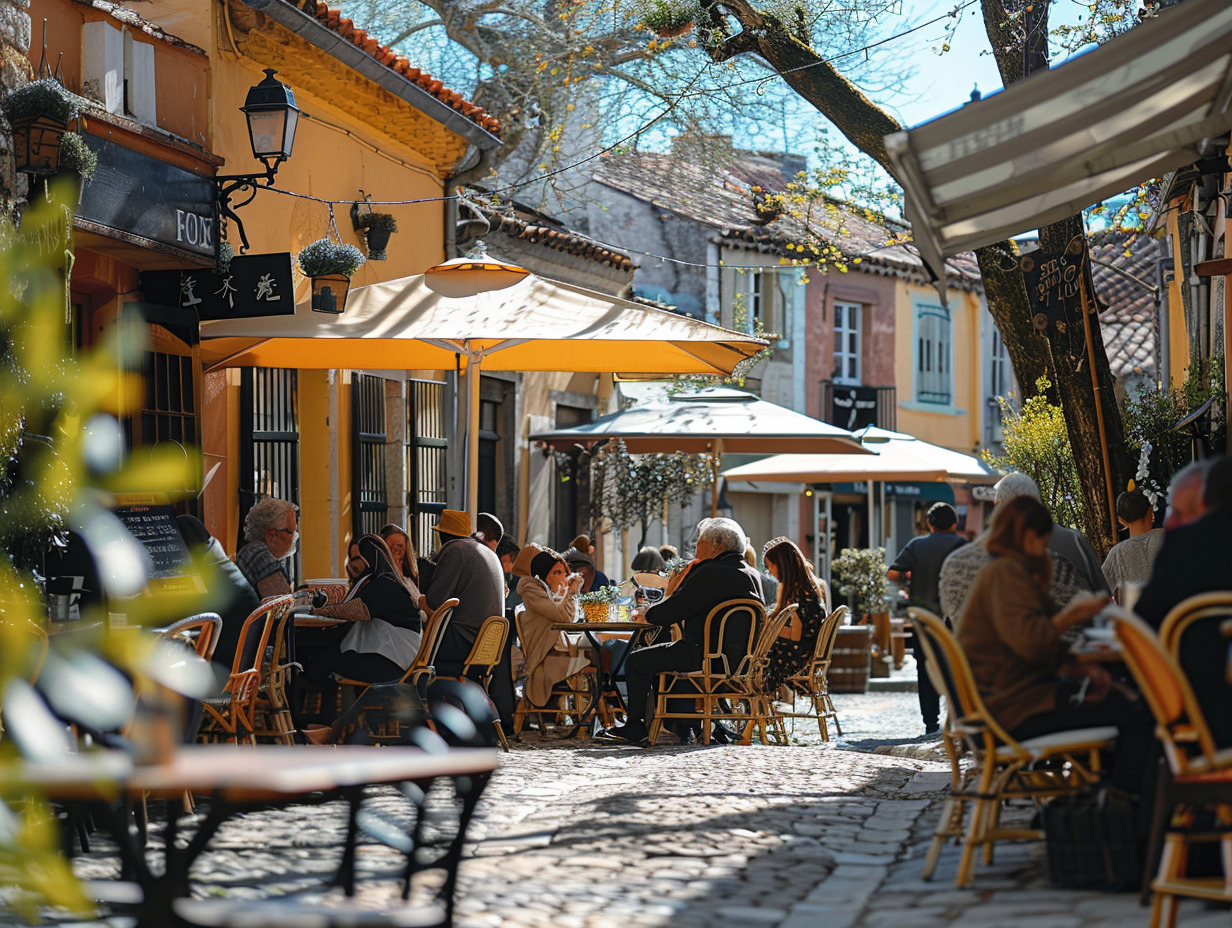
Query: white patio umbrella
(711, 421)
(534, 325)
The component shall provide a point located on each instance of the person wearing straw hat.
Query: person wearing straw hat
(469, 570)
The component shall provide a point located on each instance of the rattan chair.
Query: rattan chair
(1200, 775)
(571, 700)
(272, 719)
(230, 717)
(813, 681)
(1002, 768)
(199, 632)
(484, 656)
(727, 684)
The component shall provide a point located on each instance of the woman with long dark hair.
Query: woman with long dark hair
(792, 651)
(402, 551)
(548, 593)
(1011, 633)
(383, 636)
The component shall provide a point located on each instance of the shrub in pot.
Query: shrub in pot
(330, 265)
(39, 113)
(377, 228)
(668, 18)
(77, 162)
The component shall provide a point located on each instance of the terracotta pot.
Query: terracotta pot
(329, 293)
(671, 32)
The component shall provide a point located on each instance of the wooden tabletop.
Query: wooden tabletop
(240, 774)
(601, 626)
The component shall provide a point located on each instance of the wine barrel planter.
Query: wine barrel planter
(851, 660)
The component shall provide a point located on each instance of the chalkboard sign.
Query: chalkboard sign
(155, 527)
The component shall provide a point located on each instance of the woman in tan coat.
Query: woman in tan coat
(548, 593)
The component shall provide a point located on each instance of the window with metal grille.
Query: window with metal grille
(168, 416)
(847, 343)
(1000, 382)
(368, 490)
(934, 355)
(269, 443)
(427, 454)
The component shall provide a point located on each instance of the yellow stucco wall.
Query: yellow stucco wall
(956, 426)
(340, 148)
(1178, 337)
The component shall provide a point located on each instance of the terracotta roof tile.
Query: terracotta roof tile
(562, 240)
(1129, 318)
(388, 57)
(724, 198)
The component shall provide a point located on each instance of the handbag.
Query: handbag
(1090, 841)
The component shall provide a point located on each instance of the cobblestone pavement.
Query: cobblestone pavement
(582, 835)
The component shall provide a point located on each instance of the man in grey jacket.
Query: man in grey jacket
(469, 570)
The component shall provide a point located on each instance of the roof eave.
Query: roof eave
(330, 42)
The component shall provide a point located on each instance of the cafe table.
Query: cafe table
(235, 779)
(637, 633)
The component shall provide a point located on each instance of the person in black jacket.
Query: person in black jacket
(717, 574)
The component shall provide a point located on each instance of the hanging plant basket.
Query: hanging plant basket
(378, 241)
(669, 18)
(376, 227)
(39, 114)
(330, 265)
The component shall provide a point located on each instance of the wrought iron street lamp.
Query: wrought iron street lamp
(272, 119)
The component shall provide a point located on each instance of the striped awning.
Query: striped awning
(1134, 108)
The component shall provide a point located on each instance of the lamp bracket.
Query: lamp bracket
(229, 185)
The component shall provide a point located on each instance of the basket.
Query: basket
(596, 612)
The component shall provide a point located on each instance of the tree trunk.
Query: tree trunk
(1063, 358)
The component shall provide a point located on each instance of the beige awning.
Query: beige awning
(1058, 142)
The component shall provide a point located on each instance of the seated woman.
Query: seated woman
(383, 636)
(548, 594)
(1011, 633)
(793, 650)
(403, 553)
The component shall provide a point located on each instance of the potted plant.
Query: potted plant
(668, 18)
(330, 265)
(861, 573)
(377, 228)
(39, 114)
(597, 605)
(77, 163)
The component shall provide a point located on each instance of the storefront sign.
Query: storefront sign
(254, 285)
(854, 407)
(137, 195)
(1054, 284)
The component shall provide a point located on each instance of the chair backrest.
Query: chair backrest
(1184, 615)
(255, 633)
(755, 661)
(826, 636)
(430, 640)
(649, 579)
(205, 624)
(489, 644)
(951, 674)
(730, 634)
(1179, 721)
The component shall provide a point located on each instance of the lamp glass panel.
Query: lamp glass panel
(266, 129)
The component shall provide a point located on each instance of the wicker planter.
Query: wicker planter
(596, 612)
(329, 293)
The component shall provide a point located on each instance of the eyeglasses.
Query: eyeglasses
(287, 531)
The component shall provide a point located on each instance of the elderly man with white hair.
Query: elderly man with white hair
(717, 574)
(272, 532)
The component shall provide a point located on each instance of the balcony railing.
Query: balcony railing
(853, 407)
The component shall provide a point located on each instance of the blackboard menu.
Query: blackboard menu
(155, 527)
(1054, 284)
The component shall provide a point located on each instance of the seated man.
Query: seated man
(717, 574)
(271, 530)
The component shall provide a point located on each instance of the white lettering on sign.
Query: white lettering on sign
(194, 229)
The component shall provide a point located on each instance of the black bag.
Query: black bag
(1090, 839)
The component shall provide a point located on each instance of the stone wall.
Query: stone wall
(14, 71)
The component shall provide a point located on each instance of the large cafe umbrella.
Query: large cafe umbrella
(534, 325)
(710, 421)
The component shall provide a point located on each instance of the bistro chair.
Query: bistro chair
(198, 632)
(1200, 775)
(726, 685)
(272, 709)
(1002, 768)
(813, 681)
(230, 716)
(1198, 633)
(484, 656)
(571, 700)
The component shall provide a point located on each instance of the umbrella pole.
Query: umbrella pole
(472, 435)
(714, 484)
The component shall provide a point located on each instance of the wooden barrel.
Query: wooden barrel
(851, 660)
